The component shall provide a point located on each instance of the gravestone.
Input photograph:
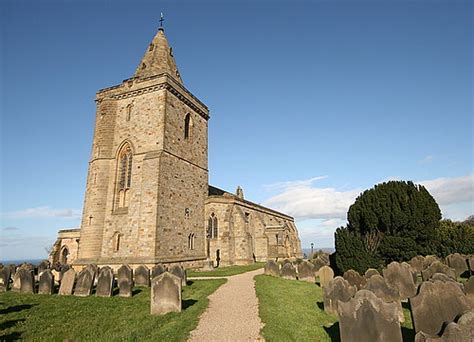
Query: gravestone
(461, 331)
(67, 282)
(157, 270)
(355, 279)
(417, 263)
(470, 263)
(272, 268)
(142, 276)
(286, 261)
(125, 281)
(84, 282)
(368, 318)
(338, 290)
(469, 286)
(288, 271)
(306, 272)
(318, 263)
(63, 269)
(4, 279)
(458, 263)
(382, 290)
(437, 302)
(105, 282)
(371, 272)
(46, 282)
(24, 281)
(94, 271)
(437, 267)
(400, 277)
(326, 274)
(43, 266)
(428, 260)
(165, 294)
(179, 272)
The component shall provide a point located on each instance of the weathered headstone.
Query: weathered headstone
(288, 271)
(428, 260)
(157, 270)
(470, 263)
(355, 279)
(437, 302)
(461, 331)
(400, 277)
(326, 274)
(179, 272)
(84, 283)
(142, 276)
(43, 266)
(46, 282)
(457, 262)
(67, 282)
(371, 272)
(105, 282)
(165, 294)
(368, 318)
(24, 281)
(417, 263)
(125, 281)
(4, 279)
(437, 267)
(469, 286)
(286, 261)
(318, 263)
(63, 269)
(94, 271)
(272, 268)
(382, 290)
(306, 272)
(338, 290)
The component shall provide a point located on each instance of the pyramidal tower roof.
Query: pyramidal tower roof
(158, 59)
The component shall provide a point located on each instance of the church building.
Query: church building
(148, 198)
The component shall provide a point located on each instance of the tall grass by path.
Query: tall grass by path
(56, 318)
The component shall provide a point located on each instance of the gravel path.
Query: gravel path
(232, 314)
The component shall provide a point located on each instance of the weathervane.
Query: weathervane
(161, 20)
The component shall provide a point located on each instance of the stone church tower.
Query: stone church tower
(148, 174)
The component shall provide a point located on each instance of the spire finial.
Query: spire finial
(161, 21)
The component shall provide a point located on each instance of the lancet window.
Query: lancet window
(124, 176)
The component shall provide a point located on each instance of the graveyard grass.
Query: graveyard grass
(227, 271)
(292, 310)
(56, 318)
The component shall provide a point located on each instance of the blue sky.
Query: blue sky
(311, 102)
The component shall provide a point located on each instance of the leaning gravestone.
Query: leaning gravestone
(105, 282)
(84, 283)
(272, 268)
(368, 318)
(165, 294)
(288, 271)
(125, 281)
(437, 303)
(355, 279)
(318, 263)
(371, 272)
(437, 267)
(417, 263)
(338, 290)
(457, 262)
(179, 272)
(400, 277)
(94, 271)
(67, 282)
(428, 260)
(4, 279)
(469, 286)
(24, 281)
(461, 331)
(142, 276)
(382, 290)
(157, 270)
(46, 282)
(43, 266)
(326, 274)
(306, 272)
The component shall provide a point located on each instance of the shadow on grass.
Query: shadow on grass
(14, 336)
(188, 303)
(333, 332)
(320, 305)
(189, 282)
(16, 308)
(11, 323)
(136, 291)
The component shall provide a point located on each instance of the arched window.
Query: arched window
(188, 124)
(116, 241)
(191, 239)
(124, 176)
(128, 113)
(212, 227)
(64, 255)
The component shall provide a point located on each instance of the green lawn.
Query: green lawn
(292, 310)
(56, 318)
(226, 271)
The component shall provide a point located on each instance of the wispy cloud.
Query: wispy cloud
(294, 184)
(451, 190)
(43, 212)
(10, 228)
(427, 159)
